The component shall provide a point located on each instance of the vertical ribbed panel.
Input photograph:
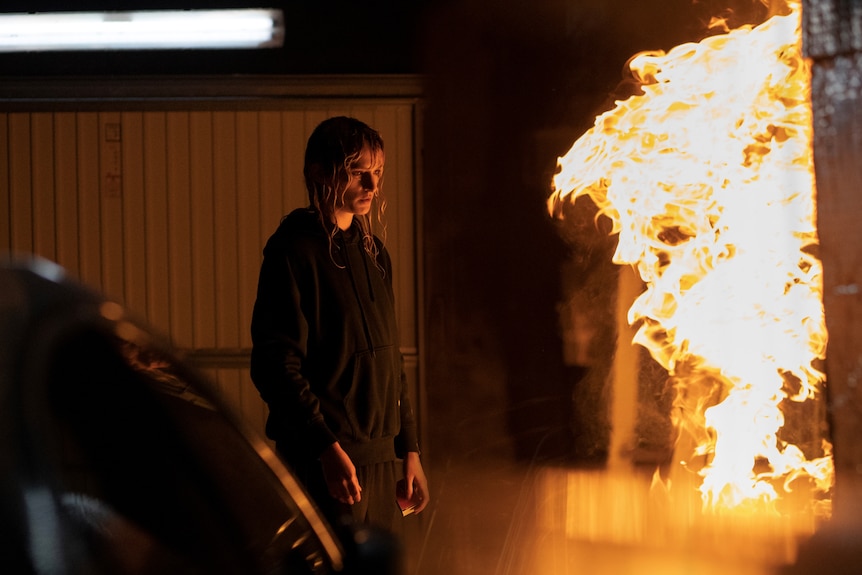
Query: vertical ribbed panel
(167, 212)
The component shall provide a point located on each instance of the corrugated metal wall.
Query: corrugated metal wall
(167, 211)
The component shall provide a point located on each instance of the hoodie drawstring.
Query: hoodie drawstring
(367, 273)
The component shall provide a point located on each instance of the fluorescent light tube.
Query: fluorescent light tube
(142, 30)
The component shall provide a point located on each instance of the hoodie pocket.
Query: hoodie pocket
(371, 403)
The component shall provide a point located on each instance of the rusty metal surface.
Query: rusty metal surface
(836, 89)
(831, 27)
(837, 108)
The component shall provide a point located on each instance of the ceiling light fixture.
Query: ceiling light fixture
(244, 28)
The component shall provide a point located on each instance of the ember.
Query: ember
(707, 176)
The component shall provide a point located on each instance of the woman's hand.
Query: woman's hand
(415, 483)
(340, 475)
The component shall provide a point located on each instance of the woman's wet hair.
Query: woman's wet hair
(333, 147)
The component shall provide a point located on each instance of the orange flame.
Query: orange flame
(707, 177)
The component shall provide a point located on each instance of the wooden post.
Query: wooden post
(833, 41)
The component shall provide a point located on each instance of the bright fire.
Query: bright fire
(708, 179)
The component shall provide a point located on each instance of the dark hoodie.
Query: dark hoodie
(325, 354)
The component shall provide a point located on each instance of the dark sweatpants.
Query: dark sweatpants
(377, 506)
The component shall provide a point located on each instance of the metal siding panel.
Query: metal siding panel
(202, 230)
(179, 227)
(238, 391)
(111, 205)
(229, 384)
(394, 122)
(311, 118)
(134, 213)
(405, 238)
(156, 217)
(385, 122)
(365, 114)
(201, 192)
(249, 176)
(20, 182)
(274, 165)
(226, 262)
(89, 224)
(44, 226)
(66, 189)
(295, 137)
(5, 198)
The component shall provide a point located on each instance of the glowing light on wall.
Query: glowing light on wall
(142, 30)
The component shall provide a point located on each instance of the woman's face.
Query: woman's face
(365, 174)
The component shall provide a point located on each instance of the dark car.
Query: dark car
(117, 457)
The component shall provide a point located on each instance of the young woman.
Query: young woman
(325, 354)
